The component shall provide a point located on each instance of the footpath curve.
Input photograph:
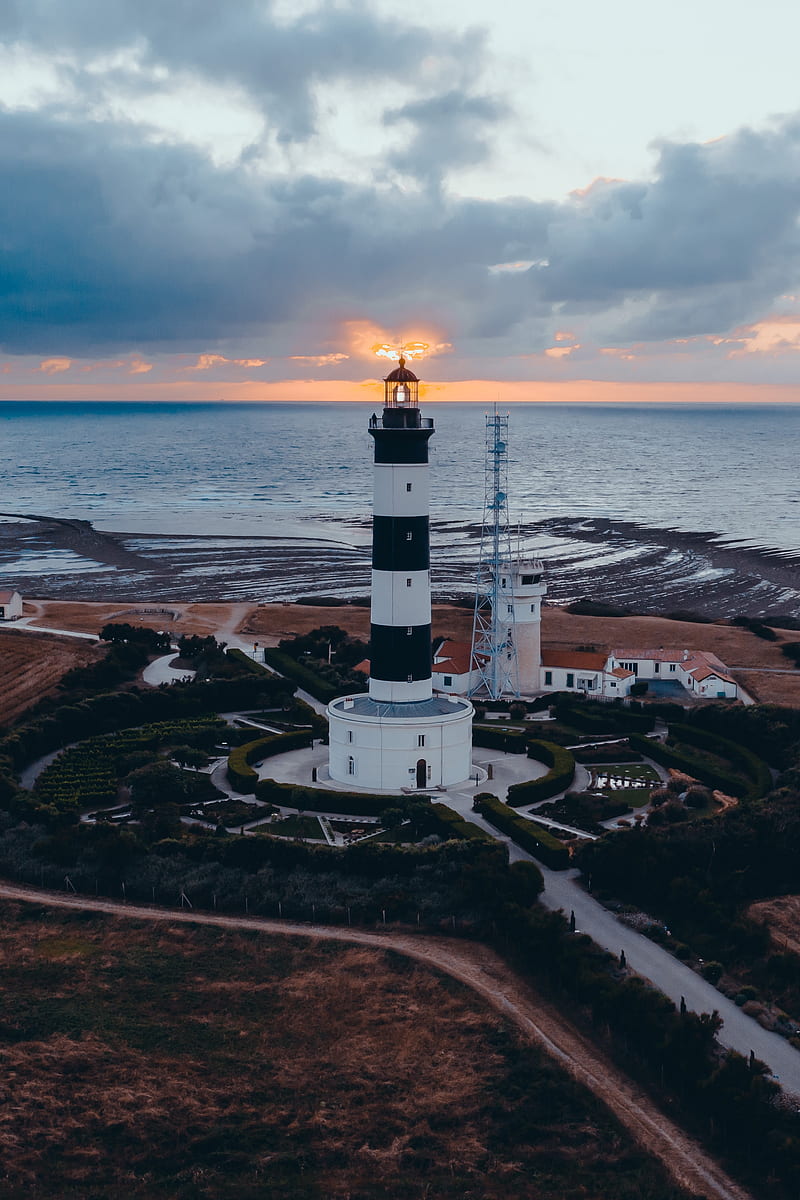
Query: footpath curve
(480, 969)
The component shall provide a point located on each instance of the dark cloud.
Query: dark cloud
(276, 63)
(111, 240)
(451, 130)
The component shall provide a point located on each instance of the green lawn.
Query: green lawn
(294, 827)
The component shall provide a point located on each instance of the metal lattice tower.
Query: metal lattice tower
(494, 651)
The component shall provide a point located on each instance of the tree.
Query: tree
(157, 784)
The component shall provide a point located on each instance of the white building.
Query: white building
(10, 606)
(521, 623)
(698, 671)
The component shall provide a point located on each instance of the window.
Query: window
(510, 607)
(570, 680)
(349, 735)
(533, 608)
(502, 583)
(409, 536)
(673, 666)
(448, 681)
(408, 583)
(408, 487)
(420, 739)
(410, 678)
(657, 667)
(612, 684)
(548, 679)
(409, 630)
(351, 765)
(631, 666)
(526, 580)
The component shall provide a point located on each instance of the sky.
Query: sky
(244, 201)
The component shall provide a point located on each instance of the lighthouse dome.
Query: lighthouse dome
(401, 374)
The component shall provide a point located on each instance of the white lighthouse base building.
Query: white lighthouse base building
(375, 744)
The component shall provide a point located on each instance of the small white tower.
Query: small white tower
(522, 620)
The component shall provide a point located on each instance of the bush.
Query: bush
(559, 777)
(450, 824)
(639, 688)
(241, 775)
(754, 767)
(537, 840)
(712, 971)
(311, 799)
(670, 757)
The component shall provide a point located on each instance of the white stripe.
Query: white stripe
(400, 693)
(396, 602)
(391, 497)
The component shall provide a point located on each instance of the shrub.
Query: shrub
(511, 741)
(537, 840)
(639, 688)
(669, 756)
(450, 824)
(559, 777)
(712, 971)
(311, 799)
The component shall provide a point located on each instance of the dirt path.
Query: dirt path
(485, 972)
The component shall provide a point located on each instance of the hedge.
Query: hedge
(311, 799)
(537, 840)
(607, 719)
(754, 767)
(562, 771)
(241, 775)
(247, 662)
(512, 741)
(284, 664)
(450, 824)
(669, 757)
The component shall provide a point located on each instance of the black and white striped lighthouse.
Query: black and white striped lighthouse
(399, 734)
(400, 639)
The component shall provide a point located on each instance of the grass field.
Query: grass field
(32, 664)
(199, 1063)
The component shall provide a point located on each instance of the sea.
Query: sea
(632, 497)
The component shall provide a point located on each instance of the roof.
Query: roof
(5, 597)
(622, 673)
(578, 660)
(401, 374)
(365, 706)
(363, 667)
(453, 658)
(657, 655)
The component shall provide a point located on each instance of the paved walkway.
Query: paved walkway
(25, 624)
(161, 671)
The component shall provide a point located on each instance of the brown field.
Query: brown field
(154, 1060)
(31, 664)
(271, 622)
(782, 917)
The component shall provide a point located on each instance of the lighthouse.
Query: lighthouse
(398, 734)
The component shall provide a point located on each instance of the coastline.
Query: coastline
(642, 569)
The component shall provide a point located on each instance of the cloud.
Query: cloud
(320, 360)
(450, 130)
(54, 366)
(206, 361)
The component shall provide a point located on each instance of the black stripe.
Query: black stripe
(401, 445)
(394, 550)
(395, 654)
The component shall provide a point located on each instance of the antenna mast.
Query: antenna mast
(494, 649)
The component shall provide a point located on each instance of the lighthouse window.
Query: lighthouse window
(533, 608)
(351, 765)
(410, 678)
(408, 583)
(510, 607)
(349, 735)
(502, 583)
(420, 739)
(409, 630)
(409, 536)
(408, 487)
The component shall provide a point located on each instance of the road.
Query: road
(490, 977)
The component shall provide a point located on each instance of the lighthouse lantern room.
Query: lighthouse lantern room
(399, 735)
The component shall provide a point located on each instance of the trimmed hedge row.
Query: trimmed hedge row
(562, 771)
(319, 688)
(310, 799)
(668, 757)
(606, 719)
(249, 664)
(537, 840)
(450, 824)
(754, 767)
(512, 741)
(241, 775)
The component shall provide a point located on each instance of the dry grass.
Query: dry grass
(782, 917)
(194, 1062)
(771, 689)
(31, 666)
(90, 617)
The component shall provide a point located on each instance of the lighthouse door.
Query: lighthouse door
(422, 773)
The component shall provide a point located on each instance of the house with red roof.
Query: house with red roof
(10, 606)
